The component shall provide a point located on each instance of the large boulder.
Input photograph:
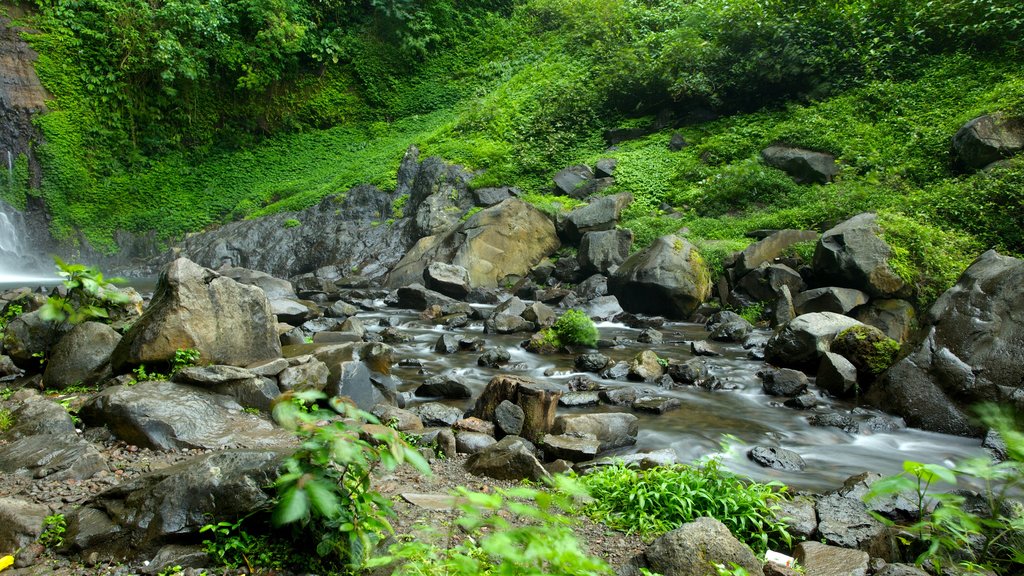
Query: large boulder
(28, 337)
(854, 255)
(610, 429)
(21, 523)
(806, 338)
(803, 166)
(988, 139)
(602, 251)
(447, 279)
(696, 547)
(974, 340)
(601, 214)
(669, 278)
(195, 307)
(506, 239)
(769, 248)
(81, 357)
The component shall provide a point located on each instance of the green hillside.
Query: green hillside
(183, 114)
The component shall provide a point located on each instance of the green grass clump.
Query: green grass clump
(6, 419)
(654, 501)
(575, 327)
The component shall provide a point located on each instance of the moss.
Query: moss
(867, 348)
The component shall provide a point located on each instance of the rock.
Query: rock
(446, 344)
(703, 348)
(508, 419)
(869, 350)
(268, 368)
(602, 251)
(540, 315)
(81, 357)
(511, 458)
(273, 287)
(472, 442)
(417, 297)
(655, 404)
(641, 460)
(578, 399)
(854, 255)
(592, 287)
(573, 181)
(783, 382)
(8, 368)
(765, 284)
(805, 401)
(602, 308)
(39, 415)
(845, 522)
(397, 418)
(28, 336)
(803, 340)
(645, 367)
(172, 503)
(571, 448)
(248, 389)
(770, 248)
(473, 424)
(693, 372)
(311, 375)
(494, 358)
(669, 278)
(53, 456)
(490, 196)
(294, 311)
(616, 371)
(509, 238)
(970, 353)
(896, 318)
(799, 516)
(444, 387)
(437, 414)
(776, 458)
(732, 331)
(538, 402)
(829, 299)
(824, 560)
(352, 369)
(601, 214)
(341, 309)
(194, 307)
(837, 376)
(592, 362)
(166, 416)
(900, 570)
(677, 142)
(446, 444)
(611, 429)
(987, 139)
(605, 167)
(21, 523)
(448, 279)
(695, 547)
(803, 166)
(784, 311)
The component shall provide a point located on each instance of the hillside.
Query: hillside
(179, 116)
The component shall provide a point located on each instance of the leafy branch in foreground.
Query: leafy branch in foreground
(89, 295)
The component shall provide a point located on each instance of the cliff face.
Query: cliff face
(21, 96)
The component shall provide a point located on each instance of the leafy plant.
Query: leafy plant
(184, 358)
(10, 313)
(89, 295)
(575, 327)
(955, 528)
(652, 502)
(753, 313)
(233, 546)
(171, 571)
(6, 419)
(522, 531)
(325, 489)
(54, 527)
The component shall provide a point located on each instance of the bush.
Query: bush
(654, 501)
(575, 327)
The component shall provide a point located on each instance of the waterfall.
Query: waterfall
(19, 263)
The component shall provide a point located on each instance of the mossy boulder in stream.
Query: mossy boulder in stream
(869, 350)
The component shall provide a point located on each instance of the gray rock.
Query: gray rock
(21, 523)
(444, 386)
(776, 458)
(81, 357)
(656, 404)
(268, 368)
(592, 287)
(804, 166)
(573, 181)
(194, 307)
(837, 376)
(592, 362)
(490, 196)
(668, 278)
(509, 418)
(341, 309)
(602, 308)
(769, 248)
(511, 458)
(805, 401)
(783, 382)
(824, 560)
(854, 255)
(417, 297)
(803, 340)
(605, 167)
(494, 357)
(472, 442)
(209, 376)
(617, 371)
(27, 336)
(273, 287)
(732, 331)
(845, 522)
(611, 429)
(694, 548)
(693, 372)
(39, 415)
(900, 570)
(399, 419)
(52, 456)
(645, 367)
(988, 139)
(571, 448)
(829, 299)
(446, 444)
(311, 375)
(448, 279)
(294, 311)
(602, 251)
(971, 351)
(446, 344)
(896, 318)
(352, 368)
(783, 311)
(765, 283)
(577, 399)
(601, 214)
(640, 460)
(649, 336)
(800, 517)
(437, 414)
(166, 416)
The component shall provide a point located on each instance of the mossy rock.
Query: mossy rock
(867, 348)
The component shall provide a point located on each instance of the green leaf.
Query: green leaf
(323, 498)
(293, 506)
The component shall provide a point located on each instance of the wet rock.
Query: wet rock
(649, 336)
(837, 376)
(446, 344)
(582, 384)
(472, 442)
(693, 372)
(646, 367)
(806, 338)
(830, 299)
(667, 278)
(805, 401)
(731, 331)
(53, 456)
(617, 371)
(693, 548)
(803, 166)
(511, 458)
(508, 418)
(494, 358)
(577, 399)
(970, 353)
(854, 255)
(602, 251)
(593, 362)
(703, 348)
(656, 404)
(165, 416)
(824, 560)
(611, 429)
(194, 307)
(39, 415)
(987, 139)
(783, 382)
(601, 214)
(833, 419)
(417, 297)
(571, 448)
(895, 318)
(444, 386)
(448, 279)
(437, 414)
(21, 523)
(471, 344)
(776, 458)
(81, 357)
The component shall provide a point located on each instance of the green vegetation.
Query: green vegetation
(983, 534)
(54, 527)
(292, 223)
(652, 502)
(6, 419)
(11, 311)
(575, 327)
(89, 295)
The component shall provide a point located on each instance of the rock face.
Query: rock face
(974, 340)
(81, 356)
(668, 278)
(853, 255)
(509, 238)
(194, 307)
(988, 139)
(695, 547)
(804, 166)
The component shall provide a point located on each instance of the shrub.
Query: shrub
(654, 501)
(6, 419)
(89, 295)
(575, 327)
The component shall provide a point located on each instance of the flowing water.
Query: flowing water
(20, 263)
(740, 418)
